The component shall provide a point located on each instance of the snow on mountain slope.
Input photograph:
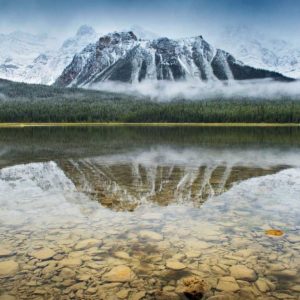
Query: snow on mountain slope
(121, 56)
(48, 66)
(44, 64)
(261, 51)
(18, 49)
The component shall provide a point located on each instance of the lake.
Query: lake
(150, 213)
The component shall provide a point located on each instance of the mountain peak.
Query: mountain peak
(117, 37)
(143, 33)
(85, 30)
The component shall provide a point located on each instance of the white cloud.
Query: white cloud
(198, 90)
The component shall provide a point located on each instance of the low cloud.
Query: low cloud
(199, 90)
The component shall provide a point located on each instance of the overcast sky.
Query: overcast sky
(174, 18)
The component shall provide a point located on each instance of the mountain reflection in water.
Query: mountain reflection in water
(129, 213)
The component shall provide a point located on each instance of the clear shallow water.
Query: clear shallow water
(130, 213)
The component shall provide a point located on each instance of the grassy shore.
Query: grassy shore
(95, 124)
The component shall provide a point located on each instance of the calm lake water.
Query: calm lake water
(150, 213)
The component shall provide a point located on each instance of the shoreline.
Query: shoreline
(101, 124)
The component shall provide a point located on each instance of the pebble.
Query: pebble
(175, 265)
(43, 254)
(8, 268)
(150, 235)
(228, 284)
(7, 297)
(70, 262)
(88, 243)
(122, 255)
(120, 273)
(243, 273)
(296, 288)
(123, 294)
(137, 295)
(262, 285)
(5, 251)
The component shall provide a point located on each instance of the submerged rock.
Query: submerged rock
(43, 254)
(119, 274)
(175, 265)
(243, 273)
(228, 284)
(151, 235)
(123, 294)
(122, 255)
(263, 285)
(7, 297)
(5, 251)
(8, 268)
(162, 295)
(137, 295)
(71, 262)
(88, 243)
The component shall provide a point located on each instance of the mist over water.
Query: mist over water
(200, 90)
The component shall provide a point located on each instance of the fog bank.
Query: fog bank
(199, 90)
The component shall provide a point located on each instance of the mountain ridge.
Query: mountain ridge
(121, 56)
(260, 50)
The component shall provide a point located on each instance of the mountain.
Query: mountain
(121, 56)
(18, 49)
(43, 65)
(142, 33)
(46, 68)
(261, 51)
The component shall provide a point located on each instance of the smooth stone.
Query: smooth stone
(120, 273)
(195, 244)
(137, 296)
(228, 284)
(296, 288)
(175, 265)
(83, 277)
(293, 238)
(88, 243)
(43, 254)
(262, 285)
(122, 254)
(67, 273)
(245, 252)
(5, 251)
(229, 296)
(243, 273)
(7, 297)
(192, 254)
(123, 294)
(168, 288)
(71, 262)
(8, 268)
(151, 235)
(162, 295)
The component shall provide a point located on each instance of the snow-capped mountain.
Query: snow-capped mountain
(44, 65)
(142, 33)
(261, 51)
(18, 49)
(49, 65)
(121, 56)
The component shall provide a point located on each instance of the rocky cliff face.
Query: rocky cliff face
(121, 56)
